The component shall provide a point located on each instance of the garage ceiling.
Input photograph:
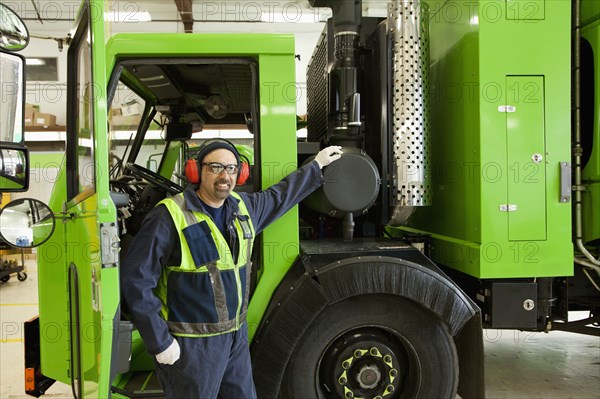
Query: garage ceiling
(44, 16)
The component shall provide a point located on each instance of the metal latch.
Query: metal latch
(507, 108)
(109, 242)
(508, 207)
(565, 181)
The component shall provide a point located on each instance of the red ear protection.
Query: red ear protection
(243, 174)
(192, 172)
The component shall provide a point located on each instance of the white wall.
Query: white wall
(50, 96)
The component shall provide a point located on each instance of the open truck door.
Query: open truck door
(77, 267)
(89, 222)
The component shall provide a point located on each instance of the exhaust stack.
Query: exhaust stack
(408, 29)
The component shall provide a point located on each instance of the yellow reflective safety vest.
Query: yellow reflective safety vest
(207, 294)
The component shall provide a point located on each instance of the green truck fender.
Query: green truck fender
(314, 285)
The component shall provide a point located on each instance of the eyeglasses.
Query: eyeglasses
(217, 168)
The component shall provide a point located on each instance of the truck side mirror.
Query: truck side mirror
(14, 35)
(26, 223)
(14, 164)
(14, 157)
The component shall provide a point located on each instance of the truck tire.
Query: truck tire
(373, 346)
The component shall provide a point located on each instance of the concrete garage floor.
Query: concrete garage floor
(518, 364)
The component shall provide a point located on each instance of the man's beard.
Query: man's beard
(222, 193)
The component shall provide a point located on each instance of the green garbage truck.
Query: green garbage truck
(467, 197)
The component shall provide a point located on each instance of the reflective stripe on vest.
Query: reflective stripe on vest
(207, 294)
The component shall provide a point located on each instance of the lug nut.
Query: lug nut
(349, 395)
(375, 352)
(346, 365)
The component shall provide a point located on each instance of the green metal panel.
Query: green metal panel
(52, 294)
(591, 212)
(201, 45)
(525, 10)
(590, 11)
(454, 97)
(526, 142)
(472, 53)
(280, 241)
(40, 160)
(170, 158)
(519, 48)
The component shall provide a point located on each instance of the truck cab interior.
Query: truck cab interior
(156, 106)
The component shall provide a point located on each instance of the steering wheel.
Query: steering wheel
(154, 178)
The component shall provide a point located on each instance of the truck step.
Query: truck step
(141, 385)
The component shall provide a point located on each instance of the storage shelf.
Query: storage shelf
(53, 135)
(41, 135)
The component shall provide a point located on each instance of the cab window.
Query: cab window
(80, 113)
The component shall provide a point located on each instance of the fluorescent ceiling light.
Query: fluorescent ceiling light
(35, 61)
(127, 16)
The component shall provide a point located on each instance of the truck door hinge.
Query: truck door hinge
(65, 215)
(508, 207)
(507, 108)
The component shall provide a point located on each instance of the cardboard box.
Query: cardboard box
(128, 122)
(42, 119)
(30, 110)
(131, 108)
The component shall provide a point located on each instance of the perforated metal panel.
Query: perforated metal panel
(408, 30)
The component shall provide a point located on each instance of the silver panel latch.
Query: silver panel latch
(508, 207)
(109, 243)
(565, 182)
(507, 108)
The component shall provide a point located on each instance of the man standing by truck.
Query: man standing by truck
(186, 277)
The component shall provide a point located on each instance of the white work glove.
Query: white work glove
(169, 355)
(328, 155)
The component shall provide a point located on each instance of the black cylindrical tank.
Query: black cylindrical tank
(351, 185)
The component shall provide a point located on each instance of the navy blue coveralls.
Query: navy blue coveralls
(209, 367)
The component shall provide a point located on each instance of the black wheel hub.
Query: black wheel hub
(365, 363)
